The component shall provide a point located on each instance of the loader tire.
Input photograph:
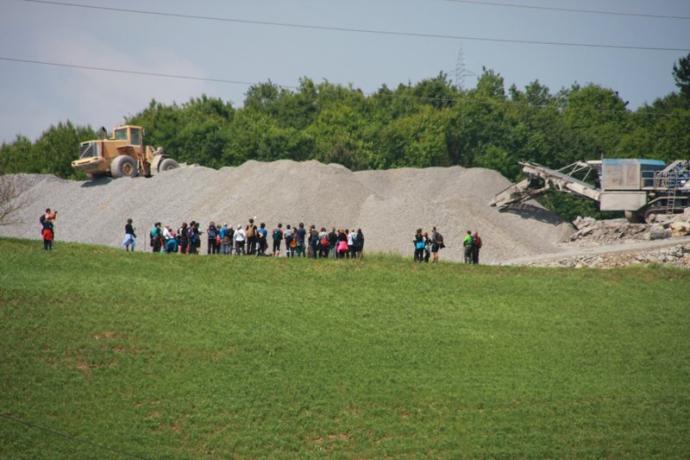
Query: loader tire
(167, 164)
(124, 166)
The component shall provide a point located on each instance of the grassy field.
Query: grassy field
(114, 355)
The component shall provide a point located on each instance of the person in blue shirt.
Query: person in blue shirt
(262, 234)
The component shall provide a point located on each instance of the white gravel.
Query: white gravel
(388, 205)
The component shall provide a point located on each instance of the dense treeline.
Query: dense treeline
(431, 123)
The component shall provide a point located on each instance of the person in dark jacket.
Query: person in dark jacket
(212, 234)
(183, 239)
(130, 240)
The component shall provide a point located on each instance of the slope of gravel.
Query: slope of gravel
(388, 205)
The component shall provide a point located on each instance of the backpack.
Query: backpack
(477, 242)
(211, 233)
(419, 244)
(293, 243)
(324, 242)
(277, 234)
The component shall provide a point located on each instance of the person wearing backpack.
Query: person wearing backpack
(251, 237)
(436, 244)
(468, 245)
(290, 242)
(324, 243)
(477, 241)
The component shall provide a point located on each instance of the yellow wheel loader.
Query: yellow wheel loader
(123, 154)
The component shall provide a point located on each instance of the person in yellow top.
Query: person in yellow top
(468, 244)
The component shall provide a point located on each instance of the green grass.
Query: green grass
(181, 357)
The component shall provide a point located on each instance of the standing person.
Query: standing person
(341, 249)
(156, 237)
(290, 242)
(468, 245)
(250, 236)
(182, 238)
(332, 242)
(350, 242)
(436, 244)
(277, 238)
(300, 237)
(240, 237)
(427, 247)
(130, 240)
(194, 236)
(48, 235)
(262, 236)
(477, 246)
(48, 218)
(324, 243)
(211, 234)
(360, 243)
(313, 242)
(419, 245)
(225, 239)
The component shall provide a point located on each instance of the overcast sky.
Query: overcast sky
(35, 96)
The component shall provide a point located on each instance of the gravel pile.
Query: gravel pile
(388, 205)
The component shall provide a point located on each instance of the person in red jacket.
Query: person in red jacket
(48, 235)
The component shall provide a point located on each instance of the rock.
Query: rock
(582, 222)
(680, 228)
(657, 232)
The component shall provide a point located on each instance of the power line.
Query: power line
(68, 436)
(353, 29)
(134, 72)
(568, 10)
(246, 83)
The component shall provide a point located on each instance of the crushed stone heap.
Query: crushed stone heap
(388, 205)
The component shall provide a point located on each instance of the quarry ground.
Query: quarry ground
(387, 205)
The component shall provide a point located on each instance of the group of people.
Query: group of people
(252, 239)
(47, 221)
(427, 246)
(472, 244)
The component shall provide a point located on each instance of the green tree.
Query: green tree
(681, 75)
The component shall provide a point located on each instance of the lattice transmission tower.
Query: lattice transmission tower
(461, 70)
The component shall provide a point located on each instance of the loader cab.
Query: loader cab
(132, 134)
(89, 149)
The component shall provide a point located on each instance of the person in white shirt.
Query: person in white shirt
(240, 237)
